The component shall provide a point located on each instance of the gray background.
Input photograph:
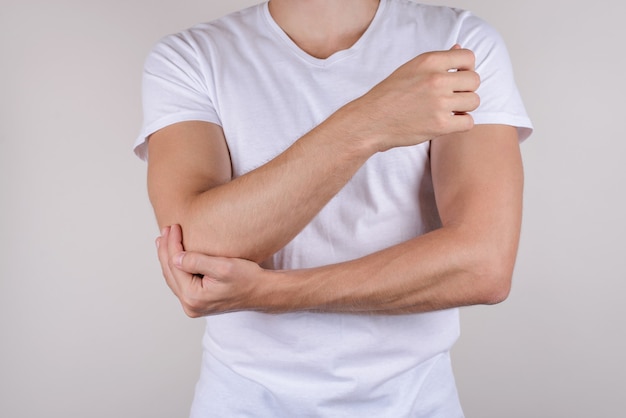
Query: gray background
(88, 327)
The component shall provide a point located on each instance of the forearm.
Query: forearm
(256, 214)
(478, 185)
(443, 269)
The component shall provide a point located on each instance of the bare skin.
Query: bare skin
(476, 171)
(189, 178)
(468, 261)
(323, 27)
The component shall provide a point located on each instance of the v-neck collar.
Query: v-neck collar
(323, 62)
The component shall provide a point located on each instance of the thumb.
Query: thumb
(199, 264)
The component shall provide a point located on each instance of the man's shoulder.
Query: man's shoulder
(224, 30)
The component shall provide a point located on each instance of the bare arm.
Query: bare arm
(190, 184)
(189, 167)
(478, 183)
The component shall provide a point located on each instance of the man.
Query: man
(327, 200)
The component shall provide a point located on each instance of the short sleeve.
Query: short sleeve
(500, 101)
(175, 88)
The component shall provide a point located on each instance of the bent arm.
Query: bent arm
(253, 216)
(478, 183)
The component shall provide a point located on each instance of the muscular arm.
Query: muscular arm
(478, 184)
(256, 214)
(189, 183)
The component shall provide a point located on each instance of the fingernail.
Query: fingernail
(178, 261)
(158, 242)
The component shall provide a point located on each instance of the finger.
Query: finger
(455, 46)
(175, 240)
(464, 81)
(174, 247)
(201, 264)
(192, 295)
(188, 285)
(162, 249)
(459, 59)
(463, 102)
(163, 254)
(461, 122)
(187, 280)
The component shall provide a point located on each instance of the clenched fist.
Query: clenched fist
(426, 97)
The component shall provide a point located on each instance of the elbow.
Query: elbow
(487, 263)
(494, 280)
(207, 234)
(210, 240)
(497, 289)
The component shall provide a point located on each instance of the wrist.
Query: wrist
(285, 291)
(356, 128)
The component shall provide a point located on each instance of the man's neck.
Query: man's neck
(323, 27)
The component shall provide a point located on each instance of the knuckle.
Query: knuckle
(191, 262)
(190, 312)
(445, 105)
(429, 59)
(424, 58)
(469, 56)
(476, 101)
(171, 263)
(192, 307)
(468, 122)
(435, 81)
(188, 300)
(440, 122)
(222, 268)
(476, 80)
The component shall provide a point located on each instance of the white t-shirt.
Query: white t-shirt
(245, 74)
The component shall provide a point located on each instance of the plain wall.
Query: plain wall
(88, 327)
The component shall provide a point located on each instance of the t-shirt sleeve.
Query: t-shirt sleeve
(175, 88)
(500, 101)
